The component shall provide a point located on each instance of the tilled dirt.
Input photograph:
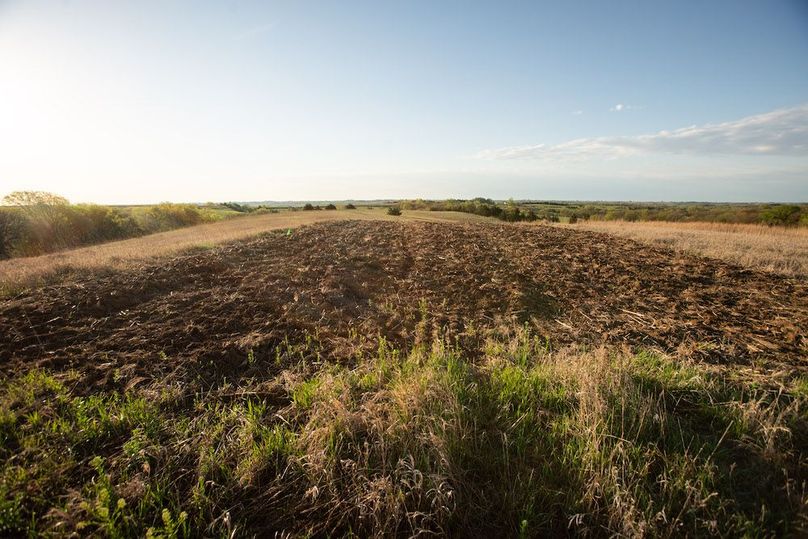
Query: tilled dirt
(346, 284)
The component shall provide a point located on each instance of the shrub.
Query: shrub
(308, 207)
(11, 230)
(41, 222)
(46, 219)
(235, 206)
(350, 207)
(393, 210)
(167, 216)
(330, 207)
(92, 224)
(781, 215)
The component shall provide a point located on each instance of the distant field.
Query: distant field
(20, 272)
(571, 211)
(773, 249)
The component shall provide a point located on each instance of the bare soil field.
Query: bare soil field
(400, 378)
(372, 277)
(22, 272)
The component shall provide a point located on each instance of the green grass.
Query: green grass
(522, 441)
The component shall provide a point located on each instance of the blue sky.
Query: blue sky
(147, 101)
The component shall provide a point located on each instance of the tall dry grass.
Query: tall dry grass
(529, 442)
(523, 441)
(44, 226)
(772, 249)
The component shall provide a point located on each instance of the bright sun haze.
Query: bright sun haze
(138, 102)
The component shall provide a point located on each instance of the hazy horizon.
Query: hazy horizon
(141, 102)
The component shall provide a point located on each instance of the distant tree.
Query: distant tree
(350, 207)
(781, 215)
(308, 207)
(34, 198)
(393, 210)
(235, 206)
(330, 207)
(48, 219)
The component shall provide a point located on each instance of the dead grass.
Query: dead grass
(19, 273)
(760, 247)
(522, 442)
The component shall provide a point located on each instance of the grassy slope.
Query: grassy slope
(523, 441)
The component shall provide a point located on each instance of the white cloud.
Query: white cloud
(780, 132)
(577, 112)
(622, 107)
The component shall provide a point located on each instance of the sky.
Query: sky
(146, 101)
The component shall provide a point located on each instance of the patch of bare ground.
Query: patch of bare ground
(339, 280)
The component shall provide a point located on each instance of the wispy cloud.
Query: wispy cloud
(780, 132)
(622, 107)
(577, 112)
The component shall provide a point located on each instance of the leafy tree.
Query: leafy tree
(781, 215)
(34, 198)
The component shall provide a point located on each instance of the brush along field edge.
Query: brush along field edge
(523, 441)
